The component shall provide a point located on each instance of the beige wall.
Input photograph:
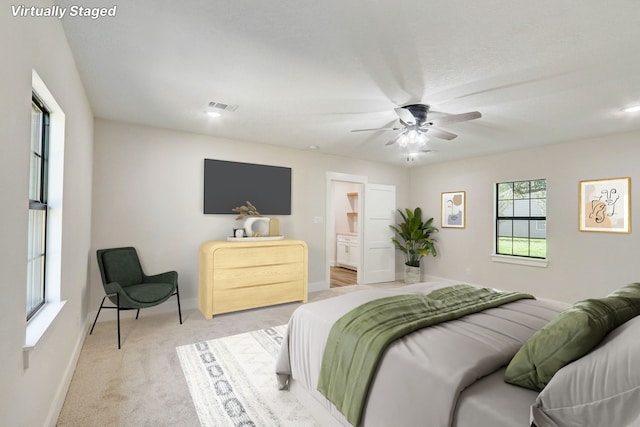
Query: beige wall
(581, 264)
(148, 190)
(34, 396)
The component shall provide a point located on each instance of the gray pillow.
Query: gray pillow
(599, 389)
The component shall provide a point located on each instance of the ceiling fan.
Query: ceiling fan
(416, 126)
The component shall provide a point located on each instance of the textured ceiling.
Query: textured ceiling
(308, 72)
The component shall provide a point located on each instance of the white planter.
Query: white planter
(411, 274)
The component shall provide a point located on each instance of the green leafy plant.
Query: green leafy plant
(414, 236)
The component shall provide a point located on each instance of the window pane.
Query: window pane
(539, 207)
(505, 246)
(36, 233)
(520, 228)
(505, 228)
(521, 190)
(36, 128)
(35, 260)
(35, 177)
(538, 229)
(521, 208)
(539, 189)
(505, 208)
(538, 244)
(505, 191)
(521, 246)
(35, 283)
(538, 248)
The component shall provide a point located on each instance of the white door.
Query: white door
(379, 259)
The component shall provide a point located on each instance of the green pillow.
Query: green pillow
(571, 335)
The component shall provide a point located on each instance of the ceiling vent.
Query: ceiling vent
(219, 106)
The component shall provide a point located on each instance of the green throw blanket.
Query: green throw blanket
(359, 338)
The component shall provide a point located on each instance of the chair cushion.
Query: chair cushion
(122, 266)
(148, 293)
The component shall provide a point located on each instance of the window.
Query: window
(36, 257)
(521, 218)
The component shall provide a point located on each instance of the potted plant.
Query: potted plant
(414, 241)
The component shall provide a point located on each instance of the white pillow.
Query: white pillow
(600, 389)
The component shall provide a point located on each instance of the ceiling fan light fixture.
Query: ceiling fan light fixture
(412, 138)
(422, 140)
(403, 140)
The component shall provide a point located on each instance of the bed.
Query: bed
(452, 374)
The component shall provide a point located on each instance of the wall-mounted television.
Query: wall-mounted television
(231, 184)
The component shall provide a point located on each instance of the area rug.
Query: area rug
(233, 383)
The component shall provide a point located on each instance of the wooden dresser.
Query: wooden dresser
(241, 275)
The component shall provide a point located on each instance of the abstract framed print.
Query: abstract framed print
(605, 205)
(453, 210)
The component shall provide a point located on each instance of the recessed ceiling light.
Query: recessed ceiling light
(213, 114)
(313, 148)
(632, 109)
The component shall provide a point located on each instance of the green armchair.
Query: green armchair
(126, 285)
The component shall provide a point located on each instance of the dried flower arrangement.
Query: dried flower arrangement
(246, 210)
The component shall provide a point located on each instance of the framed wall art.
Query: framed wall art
(605, 205)
(453, 210)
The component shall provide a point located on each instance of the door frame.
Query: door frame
(330, 223)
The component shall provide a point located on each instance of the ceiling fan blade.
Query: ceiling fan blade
(439, 133)
(456, 118)
(368, 130)
(405, 115)
(394, 140)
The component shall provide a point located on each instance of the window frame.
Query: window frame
(530, 219)
(38, 202)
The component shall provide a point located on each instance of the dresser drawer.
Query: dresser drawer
(256, 296)
(232, 257)
(234, 278)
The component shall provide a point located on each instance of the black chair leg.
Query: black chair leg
(137, 314)
(118, 310)
(96, 319)
(178, 297)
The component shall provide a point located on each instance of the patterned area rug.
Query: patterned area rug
(233, 383)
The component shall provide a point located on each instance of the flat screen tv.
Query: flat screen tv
(231, 184)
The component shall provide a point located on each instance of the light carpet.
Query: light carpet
(232, 381)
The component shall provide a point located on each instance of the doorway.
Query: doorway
(371, 253)
(344, 206)
(346, 202)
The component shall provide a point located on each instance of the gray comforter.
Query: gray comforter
(421, 375)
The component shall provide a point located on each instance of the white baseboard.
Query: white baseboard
(63, 387)
(318, 286)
